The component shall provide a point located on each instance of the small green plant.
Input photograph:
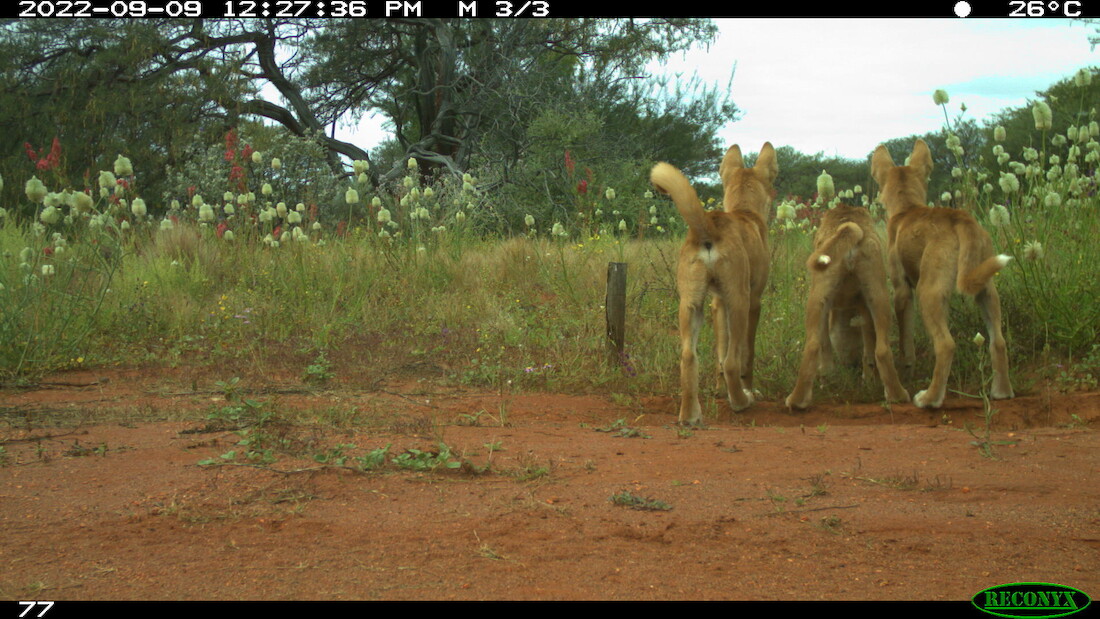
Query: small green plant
(620, 429)
(470, 419)
(627, 499)
(335, 456)
(373, 459)
(320, 371)
(982, 438)
(417, 460)
(228, 388)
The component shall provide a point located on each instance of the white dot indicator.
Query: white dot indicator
(962, 8)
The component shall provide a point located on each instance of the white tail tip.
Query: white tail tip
(824, 260)
(1003, 259)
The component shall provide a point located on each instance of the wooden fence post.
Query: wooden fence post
(615, 308)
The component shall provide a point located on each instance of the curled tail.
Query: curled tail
(973, 281)
(671, 181)
(974, 273)
(842, 241)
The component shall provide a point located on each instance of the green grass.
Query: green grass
(515, 314)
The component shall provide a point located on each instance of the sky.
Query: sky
(842, 86)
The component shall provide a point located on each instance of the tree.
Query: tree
(450, 88)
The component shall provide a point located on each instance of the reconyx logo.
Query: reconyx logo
(1030, 600)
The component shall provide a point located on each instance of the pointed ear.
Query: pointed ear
(881, 163)
(921, 159)
(766, 163)
(732, 161)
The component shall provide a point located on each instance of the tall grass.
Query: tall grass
(419, 287)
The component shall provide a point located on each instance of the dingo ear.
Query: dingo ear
(881, 163)
(921, 159)
(732, 161)
(766, 163)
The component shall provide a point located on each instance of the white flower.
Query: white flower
(412, 164)
(48, 270)
(999, 134)
(107, 180)
(50, 215)
(609, 194)
(529, 220)
(196, 200)
(1033, 250)
(138, 207)
(257, 157)
(351, 196)
(1042, 114)
(622, 225)
(979, 339)
(1083, 77)
(123, 167)
(558, 229)
(166, 224)
(228, 235)
(360, 166)
(276, 163)
(36, 190)
(266, 189)
(998, 215)
(825, 189)
(785, 211)
(939, 97)
(1009, 183)
(384, 216)
(206, 212)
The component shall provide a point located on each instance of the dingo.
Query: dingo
(936, 251)
(847, 278)
(724, 253)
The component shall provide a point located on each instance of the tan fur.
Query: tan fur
(847, 278)
(724, 253)
(936, 251)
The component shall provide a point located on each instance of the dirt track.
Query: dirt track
(844, 502)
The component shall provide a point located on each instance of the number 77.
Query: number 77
(31, 605)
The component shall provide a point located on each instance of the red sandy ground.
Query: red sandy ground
(843, 502)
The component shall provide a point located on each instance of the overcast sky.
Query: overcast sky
(842, 86)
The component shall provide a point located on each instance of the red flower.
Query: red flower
(276, 232)
(569, 165)
(247, 152)
(47, 250)
(48, 162)
(220, 230)
(582, 187)
(341, 228)
(236, 173)
(230, 144)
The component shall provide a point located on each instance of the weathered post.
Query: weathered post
(615, 308)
